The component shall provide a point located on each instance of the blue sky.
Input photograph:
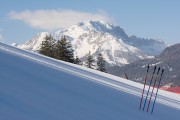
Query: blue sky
(20, 20)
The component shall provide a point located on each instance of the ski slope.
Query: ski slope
(35, 87)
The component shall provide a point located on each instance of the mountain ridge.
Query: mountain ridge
(101, 37)
(168, 60)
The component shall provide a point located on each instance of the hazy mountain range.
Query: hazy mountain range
(169, 60)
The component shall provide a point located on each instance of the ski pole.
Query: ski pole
(144, 87)
(157, 91)
(149, 87)
(153, 89)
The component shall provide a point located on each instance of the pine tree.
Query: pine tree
(101, 63)
(47, 46)
(59, 50)
(69, 52)
(64, 51)
(77, 61)
(90, 61)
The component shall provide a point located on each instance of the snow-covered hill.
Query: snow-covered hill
(35, 87)
(100, 37)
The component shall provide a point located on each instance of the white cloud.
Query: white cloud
(1, 37)
(55, 19)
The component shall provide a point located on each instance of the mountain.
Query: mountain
(36, 87)
(168, 59)
(100, 37)
(35, 42)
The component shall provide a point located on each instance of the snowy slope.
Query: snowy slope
(101, 37)
(35, 87)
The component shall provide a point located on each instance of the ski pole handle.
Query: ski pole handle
(158, 70)
(154, 69)
(148, 68)
(162, 72)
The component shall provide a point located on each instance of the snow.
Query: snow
(155, 63)
(101, 37)
(14, 44)
(34, 44)
(35, 87)
(170, 69)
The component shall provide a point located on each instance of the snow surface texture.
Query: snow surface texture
(100, 37)
(35, 87)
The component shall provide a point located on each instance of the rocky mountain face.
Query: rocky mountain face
(100, 37)
(169, 59)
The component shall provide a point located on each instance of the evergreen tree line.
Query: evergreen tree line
(62, 50)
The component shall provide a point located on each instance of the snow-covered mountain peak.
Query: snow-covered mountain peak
(101, 26)
(34, 43)
(96, 25)
(105, 38)
(86, 27)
